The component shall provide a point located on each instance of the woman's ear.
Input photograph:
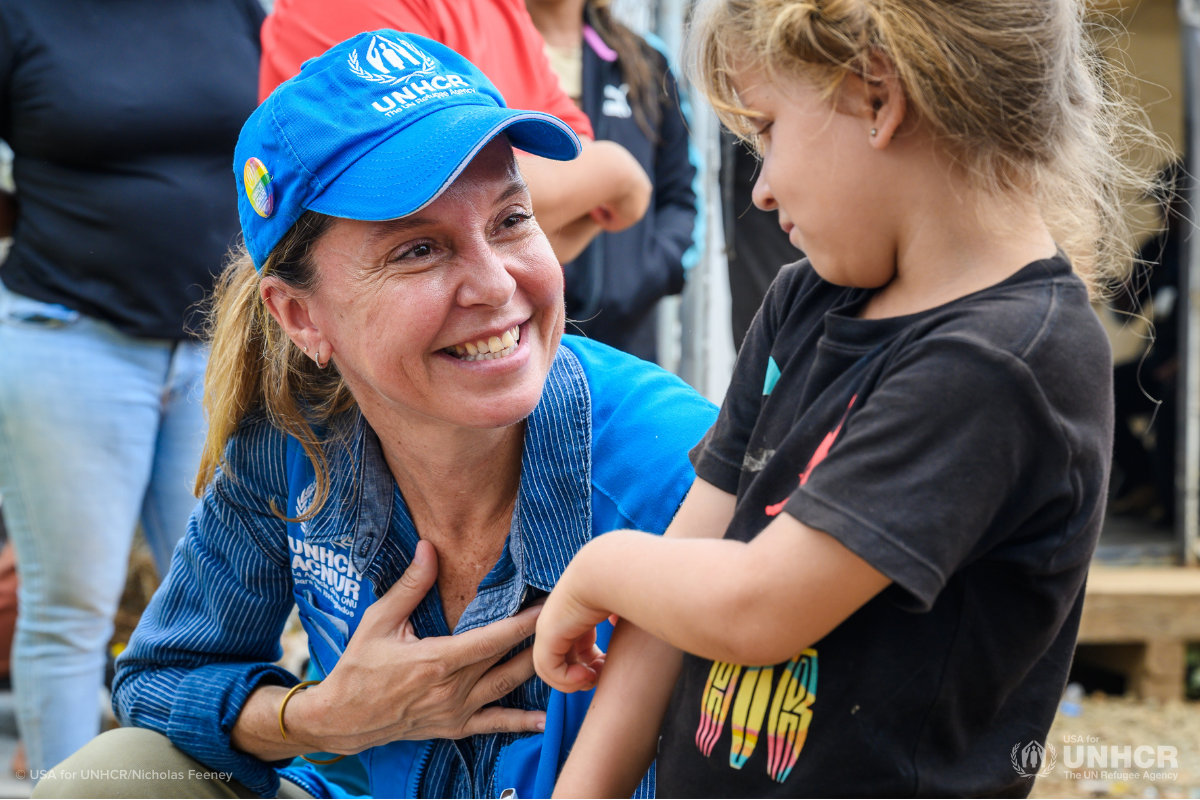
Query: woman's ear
(886, 105)
(291, 311)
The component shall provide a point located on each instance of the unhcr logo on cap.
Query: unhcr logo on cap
(392, 62)
(398, 63)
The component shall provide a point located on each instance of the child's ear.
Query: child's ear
(886, 105)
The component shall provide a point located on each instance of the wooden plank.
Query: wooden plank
(1137, 604)
(1157, 610)
(1144, 580)
(1138, 618)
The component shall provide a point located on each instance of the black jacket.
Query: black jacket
(615, 284)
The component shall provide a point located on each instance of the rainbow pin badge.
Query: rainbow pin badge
(258, 187)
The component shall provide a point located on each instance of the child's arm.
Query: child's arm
(620, 733)
(619, 736)
(754, 604)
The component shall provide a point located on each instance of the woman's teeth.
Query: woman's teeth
(494, 347)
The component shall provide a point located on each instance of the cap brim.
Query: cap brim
(411, 169)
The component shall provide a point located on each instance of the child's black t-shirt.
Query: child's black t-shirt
(963, 452)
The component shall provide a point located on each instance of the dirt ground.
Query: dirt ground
(1120, 722)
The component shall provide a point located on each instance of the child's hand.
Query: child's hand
(565, 654)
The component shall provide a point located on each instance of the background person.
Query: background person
(757, 248)
(402, 391)
(121, 118)
(603, 189)
(1145, 387)
(631, 97)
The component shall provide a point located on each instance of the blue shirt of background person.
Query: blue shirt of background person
(315, 499)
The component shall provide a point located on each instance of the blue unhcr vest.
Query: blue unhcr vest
(332, 594)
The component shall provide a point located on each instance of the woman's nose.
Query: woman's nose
(488, 281)
(762, 193)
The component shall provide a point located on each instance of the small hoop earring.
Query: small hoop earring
(873, 131)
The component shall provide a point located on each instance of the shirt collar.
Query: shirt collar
(553, 516)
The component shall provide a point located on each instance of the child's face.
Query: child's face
(820, 171)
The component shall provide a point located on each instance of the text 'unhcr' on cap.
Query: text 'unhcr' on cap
(375, 128)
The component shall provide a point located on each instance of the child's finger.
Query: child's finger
(586, 652)
(580, 678)
(582, 648)
(552, 656)
(565, 671)
(568, 677)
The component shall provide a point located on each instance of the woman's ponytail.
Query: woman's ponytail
(254, 366)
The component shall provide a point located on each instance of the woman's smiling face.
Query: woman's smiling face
(412, 308)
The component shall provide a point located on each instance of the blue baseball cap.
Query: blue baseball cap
(375, 128)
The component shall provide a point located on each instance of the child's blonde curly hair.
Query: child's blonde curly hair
(1016, 90)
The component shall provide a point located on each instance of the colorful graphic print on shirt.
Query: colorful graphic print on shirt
(748, 690)
(817, 457)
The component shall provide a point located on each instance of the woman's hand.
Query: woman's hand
(391, 685)
(565, 652)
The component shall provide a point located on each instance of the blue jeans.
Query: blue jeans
(97, 430)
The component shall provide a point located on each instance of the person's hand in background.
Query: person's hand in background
(604, 189)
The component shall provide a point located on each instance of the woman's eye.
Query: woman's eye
(513, 220)
(417, 251)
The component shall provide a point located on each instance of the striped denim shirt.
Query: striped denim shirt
(606, 448)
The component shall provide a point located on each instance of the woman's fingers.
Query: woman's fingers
(495, 719)
(502, 679)
(389, 613)
(483, 646)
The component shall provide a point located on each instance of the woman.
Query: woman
(121, 117)
(627, 89)
(399, 445)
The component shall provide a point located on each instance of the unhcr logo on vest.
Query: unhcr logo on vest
(1033, 759)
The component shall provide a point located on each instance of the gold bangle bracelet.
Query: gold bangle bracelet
(283, 730)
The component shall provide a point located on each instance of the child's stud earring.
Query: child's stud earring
(873, 131)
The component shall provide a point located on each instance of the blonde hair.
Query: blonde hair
(1015, 90)
(253, 365)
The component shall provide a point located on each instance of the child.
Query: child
(906, 481)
